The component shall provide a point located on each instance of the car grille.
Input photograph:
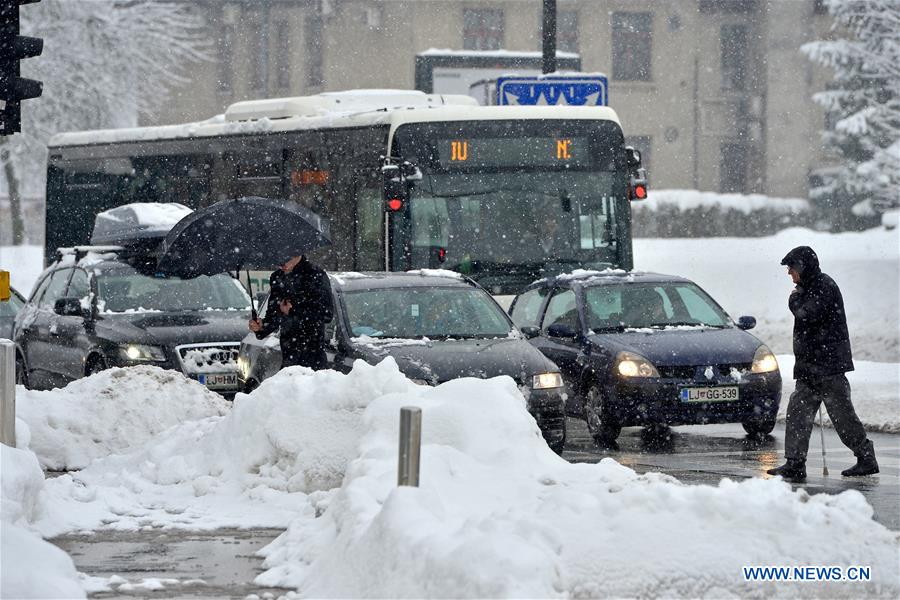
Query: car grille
(698, 372)
(218, 357)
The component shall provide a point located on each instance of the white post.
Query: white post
(410, 446)
(8, 393)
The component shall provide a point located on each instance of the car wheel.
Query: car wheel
(95, 365)
(601, 425)
(21, 371)
(759, 427)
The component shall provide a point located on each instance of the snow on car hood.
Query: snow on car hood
(437, 361)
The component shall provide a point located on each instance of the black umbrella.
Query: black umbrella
(243, 233)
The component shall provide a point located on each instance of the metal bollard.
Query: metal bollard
(8, 393)
(410, 446)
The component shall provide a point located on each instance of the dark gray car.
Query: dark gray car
(92, 311)
(8, 311)
(438, 326)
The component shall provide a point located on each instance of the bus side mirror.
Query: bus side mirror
(632, 158)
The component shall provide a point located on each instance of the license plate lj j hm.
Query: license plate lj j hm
(223, 380)
(710, 394)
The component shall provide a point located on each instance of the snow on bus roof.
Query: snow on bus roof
(495, 53)
(332, 110)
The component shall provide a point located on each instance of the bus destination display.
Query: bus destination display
(513, 152)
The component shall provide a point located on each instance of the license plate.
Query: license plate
(710, 394)
(219, 380)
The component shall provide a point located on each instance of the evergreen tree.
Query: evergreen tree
(863, 107)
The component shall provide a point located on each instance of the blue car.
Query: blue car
(649, 349)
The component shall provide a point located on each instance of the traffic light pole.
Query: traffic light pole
(548, 35)
(13, 48)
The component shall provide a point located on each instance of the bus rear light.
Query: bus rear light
(640, 192)
(394, 204)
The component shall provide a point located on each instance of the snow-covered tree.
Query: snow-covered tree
(863, 103)
(104, 64)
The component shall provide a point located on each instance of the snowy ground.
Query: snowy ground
(497, 515)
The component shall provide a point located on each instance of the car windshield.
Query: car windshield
(125, 290)
(433, 312)
(638, 305)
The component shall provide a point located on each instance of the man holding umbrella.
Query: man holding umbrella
(299, 305)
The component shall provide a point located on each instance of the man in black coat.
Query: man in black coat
(299, 305)
(822, 357)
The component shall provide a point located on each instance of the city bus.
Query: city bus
(407, 180)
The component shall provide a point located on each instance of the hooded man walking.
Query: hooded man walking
(299, 305)
(822, 355)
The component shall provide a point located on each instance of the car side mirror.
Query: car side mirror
(69, 307)
(746, 323)
(530, 331)
(562, 330)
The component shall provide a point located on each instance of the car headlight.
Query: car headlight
(547, 381)
(629, 364)
(764, 361)
(141, 352)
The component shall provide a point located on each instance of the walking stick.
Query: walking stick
(822, 437)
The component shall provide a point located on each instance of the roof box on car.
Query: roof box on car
(138, 223)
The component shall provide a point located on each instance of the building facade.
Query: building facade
(715, 93)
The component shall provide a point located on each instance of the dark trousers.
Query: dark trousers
(834, 391)
(312, 359)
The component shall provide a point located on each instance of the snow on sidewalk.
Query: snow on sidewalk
(498, 514)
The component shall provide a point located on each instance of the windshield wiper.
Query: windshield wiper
(609, 329)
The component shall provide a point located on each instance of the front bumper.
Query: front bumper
(646, 401)
(548, 407)
(210, 375)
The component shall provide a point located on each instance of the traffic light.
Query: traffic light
(13, 48)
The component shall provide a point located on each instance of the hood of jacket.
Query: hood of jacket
(804, 260)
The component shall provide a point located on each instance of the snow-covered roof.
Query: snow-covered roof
(495, 53)
(333, 110)
(136, 220)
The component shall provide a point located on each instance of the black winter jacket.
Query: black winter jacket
(821, 339)
(303, 329)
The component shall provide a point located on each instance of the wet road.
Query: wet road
(222, 564)
(708, 453)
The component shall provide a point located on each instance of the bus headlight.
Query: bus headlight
(764, 361)
(629, 364)
(547, 381)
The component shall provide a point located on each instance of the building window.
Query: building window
(482, 29)
(258, 78)
(631, 45)
(226, 58)
(735, 47)
(567, 30)
(733, 168)
(643, 144)
(283, 57)
(315, 72)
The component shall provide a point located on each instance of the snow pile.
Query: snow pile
(874, 393)
(499, 515)
(746, 277)
(746, 203)
(31, 567)
(110, 412)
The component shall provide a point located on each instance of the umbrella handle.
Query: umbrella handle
(253, 314)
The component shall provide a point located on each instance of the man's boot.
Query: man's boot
(793, 470)
(865, 462)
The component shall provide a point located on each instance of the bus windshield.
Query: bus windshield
(513, 204)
